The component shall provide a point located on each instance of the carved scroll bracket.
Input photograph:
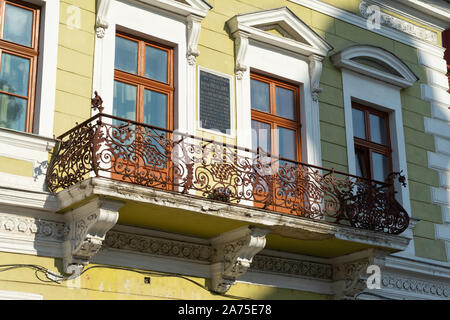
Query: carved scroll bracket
(240, 47)
(315, 71)
(101, 23)
(193, 33)
(233, 254)
(88, 226)
(350, 272)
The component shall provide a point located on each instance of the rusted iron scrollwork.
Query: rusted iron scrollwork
(133, 152)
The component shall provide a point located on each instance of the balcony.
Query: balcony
(177, 164)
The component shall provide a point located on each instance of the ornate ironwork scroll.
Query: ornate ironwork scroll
(137, 153)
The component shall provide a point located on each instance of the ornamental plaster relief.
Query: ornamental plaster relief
(399, 24)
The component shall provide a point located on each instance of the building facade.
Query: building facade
(224, 149)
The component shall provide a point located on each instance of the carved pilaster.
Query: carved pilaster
(88, 226)
(315, 71)
(193, 34)
(350, 272)
(233, 254)
(240, 46)
(101, 23)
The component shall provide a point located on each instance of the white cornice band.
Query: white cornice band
(361, 22)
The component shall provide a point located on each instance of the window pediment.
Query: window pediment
(377, 63)
(280, 28)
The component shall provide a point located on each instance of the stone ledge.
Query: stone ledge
(283, 225)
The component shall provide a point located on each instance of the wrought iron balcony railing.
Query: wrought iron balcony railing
(124, 150)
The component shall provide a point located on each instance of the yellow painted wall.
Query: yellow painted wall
(75, 63)
(111, 284)
(17, 167)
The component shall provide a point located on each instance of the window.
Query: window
(275, 117)
(143, 82)
(372, 143)
(19, 25)
(143, 92)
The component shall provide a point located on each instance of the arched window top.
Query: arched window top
(377, 63)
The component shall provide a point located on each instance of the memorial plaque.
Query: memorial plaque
(214, 102)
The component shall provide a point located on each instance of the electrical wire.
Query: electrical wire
(56, 278)
(375, 295)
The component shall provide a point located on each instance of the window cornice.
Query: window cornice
(350, 58)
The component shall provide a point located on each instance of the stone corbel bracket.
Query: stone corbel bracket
(88, 226)
(241, 46)
(315, 71)
(193, 23)
(350, 272)
(101, 23)
(233, 254)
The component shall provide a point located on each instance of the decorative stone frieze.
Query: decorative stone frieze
(399, 24)
(33, 227)
(292, 267)
(88, 226)
(416, 286)
(157, 246)
(233, 254)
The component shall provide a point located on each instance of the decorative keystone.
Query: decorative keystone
(350, 272)
(233, 254)
(88, 225)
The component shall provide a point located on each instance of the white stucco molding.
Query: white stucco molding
(233, 255)
(197, 8)
(87, 225)
(386, 66)
(299, 37)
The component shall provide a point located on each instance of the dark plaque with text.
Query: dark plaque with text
(214, 102)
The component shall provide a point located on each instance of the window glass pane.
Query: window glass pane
(155, 109)
(380, 166)
(359, 127)
(124, 104)
(377, 129)
(13, 112)
(18, 26)
(285, 103)
(260, 97)
(14, 74)
(286, 143)
(261, 136)
(156, 64)
(361, 163)
(126, 55)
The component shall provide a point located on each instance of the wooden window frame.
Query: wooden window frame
(22, 51)
(369, 146)
(273, 119)
(142, 83)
